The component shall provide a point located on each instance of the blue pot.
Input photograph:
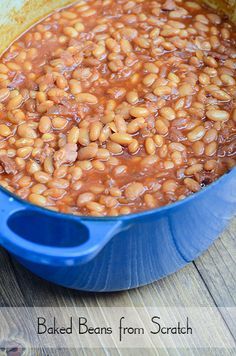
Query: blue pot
(115, 253)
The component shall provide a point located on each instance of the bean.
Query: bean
(95, 130)
(132, 97)
(185, 90)
(177, 146)
(139, 111)
(100, 166)
(198, 148)
(15, 102)
(42, 177)
(13, 66)
(32, 167)
(154, 33)
(25, 131)
(109, 117)
(76, 185)
(97, 189)
(225, 33)
(94, 206)
(85, 198)
(3, 68)
(234, 115)
(177, 158)
(149, 79)
(168, 113)
(88, 152)
(211, 135)
(142, 42)
(45, 124)
(124, 210)
(201, 27)
(120, 170)
(74, 135)
(217, 115)
(75, 87)
(211, 148)
(192, 184)
(210, 165)
(76, 173)
(215, 43)
(161, 127)
(119, 124)
(38, 188)
(58, 183)
(121, 138)
(85, 165)
(114, 147)
(59, 123)
(204, 79)
(211, 62)
(196, 134)
(103, 154)
(126, 46)
(5, 131)
(61, 82)
(70, 31)
(24, 152)
(87, 98)
(150, 146)
(37, 199)
(162, 90)
(193, 5)
(228, 79)
(135, 125)
(115, 66)
(151, 68)
(169, 186)
(133, 146)
(195, 168)
(221, 95)
(105, 133)
(170, 32)
(22, 142)
(134, 191)
(79, 26)
(150, 201)
(60, 172)
(215, 19)
(4, 94)
(47, 137)
(68, 15)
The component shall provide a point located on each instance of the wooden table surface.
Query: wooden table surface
(208, 281)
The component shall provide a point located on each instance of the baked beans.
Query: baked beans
(113, 107)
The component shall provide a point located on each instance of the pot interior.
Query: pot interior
(16, 16)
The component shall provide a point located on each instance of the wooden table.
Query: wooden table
(208, 281)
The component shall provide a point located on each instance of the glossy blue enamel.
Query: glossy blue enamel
(110, 254)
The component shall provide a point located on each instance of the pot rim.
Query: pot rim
(132, 216)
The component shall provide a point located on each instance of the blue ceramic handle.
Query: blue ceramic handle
(99, 234)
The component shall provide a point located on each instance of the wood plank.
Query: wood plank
(218, 265)
(132, 352)
(10, 292)
(186, 288)
(217, 269)
(183, 289)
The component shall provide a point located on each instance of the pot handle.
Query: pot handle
(98, 234)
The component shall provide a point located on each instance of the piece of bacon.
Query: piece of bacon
(67, 154)
(8, 164)
(169, 5)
